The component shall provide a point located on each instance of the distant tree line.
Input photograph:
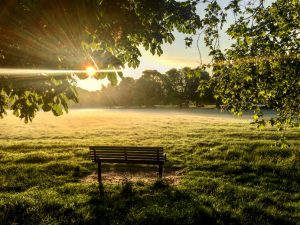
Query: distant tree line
(175, 87)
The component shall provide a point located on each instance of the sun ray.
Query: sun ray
(38, 72)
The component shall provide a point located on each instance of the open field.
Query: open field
(220, 170)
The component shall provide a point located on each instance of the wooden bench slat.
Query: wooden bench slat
(146, 159)
(133, 161)
(128, 157)
(121, 148)
(148, 155)
(113, 146)
(128, 153)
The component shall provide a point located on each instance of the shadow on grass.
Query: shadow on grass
(155, 204)
(163, 204)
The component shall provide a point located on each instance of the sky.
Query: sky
(175, 55)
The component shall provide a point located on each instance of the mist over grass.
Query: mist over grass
(229, 173)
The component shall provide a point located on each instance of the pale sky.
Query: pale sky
(174, 56)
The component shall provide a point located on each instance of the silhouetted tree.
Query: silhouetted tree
(125, 91)
(177, 87)
(109, 96)
(148, 89)
(182, 87)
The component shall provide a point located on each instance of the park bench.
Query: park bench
(129, 155)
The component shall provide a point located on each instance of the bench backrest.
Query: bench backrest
(120, 154)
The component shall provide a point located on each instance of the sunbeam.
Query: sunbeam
(38, 72)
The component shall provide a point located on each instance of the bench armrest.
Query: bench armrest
(165, 157)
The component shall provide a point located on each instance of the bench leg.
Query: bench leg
(99, 173)
(160, 171)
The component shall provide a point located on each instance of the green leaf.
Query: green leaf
(112, 78)
(57, 110)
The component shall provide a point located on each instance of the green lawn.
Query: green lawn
(228, 173)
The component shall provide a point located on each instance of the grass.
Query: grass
(230, 172)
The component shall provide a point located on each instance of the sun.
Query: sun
(90, 71)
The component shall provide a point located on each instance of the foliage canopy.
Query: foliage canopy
(66, 34)
(261, 67)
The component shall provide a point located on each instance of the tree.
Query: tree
(152, 88)
(148, 89)
(126, 91)
(182, 87)
(261, 68)
(175, 86)
(193, 78)
(68, 34)
(109, 96)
